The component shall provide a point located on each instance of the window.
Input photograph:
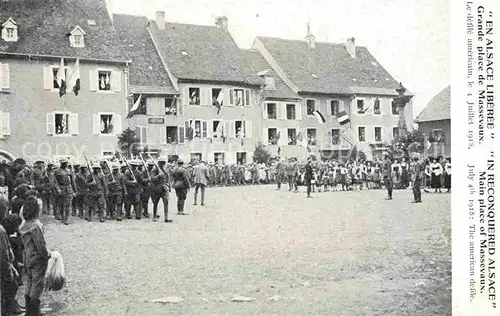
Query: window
(311, 136)
(76, 37)
(334, 107)
(62, 124)
(292, 136)
(290, 111)
(310, 106)
(217, 97)
(107, 125)
(270, 83)
(194, 96)
(376, 106)
(200, 128)
(9, 30)
(172, 135)
(360, 105)
(272, 111)
(104, 80)
(217, 129)
(170, 106)
(241, 158)
(437, 135)
(10, 33)
(78, 40)
(335, 137)
(394, 108)
(54, 76)
(272, 136)
(361, 134)
(196, 156)
(142, 133)
(395, 132)
(239, 127)
(239, 97)
(219, 158)
(378, 134)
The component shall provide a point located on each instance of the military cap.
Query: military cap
(162, 159)
(180, 161)
(63, 160)
(96, 166)
(115, 166)
(150, 163)
(50, 163)
(134, 162)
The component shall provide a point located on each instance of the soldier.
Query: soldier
(145, 182)
(98, 190)
(65, 188)
(133, 190)
(387, 172)
(280, 172)
(201, 178)
(24, 174)
(290, 173)
(417, 179)
(74, 171)
(117, 191)
(181, 185)
(160, 188)
(81, 191)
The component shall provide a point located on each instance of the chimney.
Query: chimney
(221, 22)
(160, 19)
(310, 39)
(350, 46)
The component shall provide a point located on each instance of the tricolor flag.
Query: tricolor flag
(343, 118)
(320, 117)
(74, 78)
(61, 78)
(135, 107)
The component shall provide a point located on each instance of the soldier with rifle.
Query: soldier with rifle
(160, 187)
(133, 189)
(117, 192)
(65, 189)
(98, 190)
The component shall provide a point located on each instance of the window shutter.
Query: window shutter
(283, 136)
(248, 98)
(144, 136)
(73, 123)
(96, 125)
(4, 76)
(227, 129)
(50, 123)
(265, 137)
(48, 79)
(185, 96)
(225, 101)
(5, 126)
(93, 80)
(210, 128)
(281, 111)
(117, 124)
(264, 110)
(181, 135)
(231, 97)
(163, 135)
(138, 132)
(204, 128)
(116, 81)
(208, 97)
(248, 129)
(298, 111)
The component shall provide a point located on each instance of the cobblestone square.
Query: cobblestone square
(339, 253)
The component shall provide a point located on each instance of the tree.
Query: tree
(260, 154)
(129, 143)
(404, 145)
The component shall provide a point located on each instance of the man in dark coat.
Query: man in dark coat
(160, 188)
(98, 191)
(133, 190)
(65, 189)
(308, 176)
(181, 185)
(417, 179)
(387, 173)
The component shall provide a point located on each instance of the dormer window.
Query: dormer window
(76, 37)
(9, 31)
(270, 83)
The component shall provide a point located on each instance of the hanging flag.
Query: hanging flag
(320, 117)
(190, 131)
(135, 107)
(64, 124)
(61, 78)
(107, 78)
(299, 139)
(74, 78)
(219, 130)
(343, 118)
(428, 144)
(242, 132)
(278, 138)
(219, 102)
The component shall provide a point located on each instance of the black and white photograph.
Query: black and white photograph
(224, 157)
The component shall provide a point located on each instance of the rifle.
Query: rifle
(110, 170)
(128, 166)
(90, 169)
(145, 167)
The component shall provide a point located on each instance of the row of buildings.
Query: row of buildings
(180, 73)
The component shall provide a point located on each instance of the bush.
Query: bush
(260, 154)
(128, 143)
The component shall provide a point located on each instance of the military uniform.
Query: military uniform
(133, 193)
(145, 185)
(98, 189)
(417, 181)
(160, 188)
(181, 185)
(117, 191)
(65, 188)
(81, 191)
(387, 169)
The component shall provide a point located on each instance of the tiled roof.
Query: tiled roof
(43, 28)
(328, 68)
(256, 62)
(198, 52)
(146, 69)
(438, 109)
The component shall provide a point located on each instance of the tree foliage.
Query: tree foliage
(404, 145)
(260, 154)
(128, 143)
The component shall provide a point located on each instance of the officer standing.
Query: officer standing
(308, 176)
(48, 189)
(181, 185)
(417, 179)
(145, 183)
(116, 186)
(160, 188)
(133, 190)
(81, 191)
(76, 168)
(65, 189)
(201, 178)
(387, 169)
(98, 190)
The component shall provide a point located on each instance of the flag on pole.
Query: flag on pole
(61, 78)
(190, 131)
(320, 117)
(219, 102)
(135, 107)
(74, 78)
(343, 118)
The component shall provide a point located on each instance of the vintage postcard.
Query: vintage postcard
(225, 157)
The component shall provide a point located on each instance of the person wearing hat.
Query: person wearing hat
(75, 169)
(201, 178)
(145, 182)
(417, 179)
(133, 190)
(98, 190)
(308, 176)
(387, 175)
(117, 190)
(160, 188)
(81, 191)
(48, 189)
(24, 172)
(181, 185)
(37, 176)
(65, 189)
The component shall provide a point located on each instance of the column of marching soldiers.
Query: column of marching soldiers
(109, 190)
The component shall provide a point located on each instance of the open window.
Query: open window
(272, 136)
(394, 108)
(62, 123)
(271, 110)
(378, 134)
(172, 135)
(241, 158)
(217, 129)
(196, 157)
(290, 112)
(217, 97)
(310, 106)
(292, 136)
(219, 158)
(104, 80)
(194, 96)
(360, 106)
(334, 107)
(311, 136)
(171, 106)
(376, 106)
(335, 136)
(240, 129)
(55, 70)
(361, 134)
